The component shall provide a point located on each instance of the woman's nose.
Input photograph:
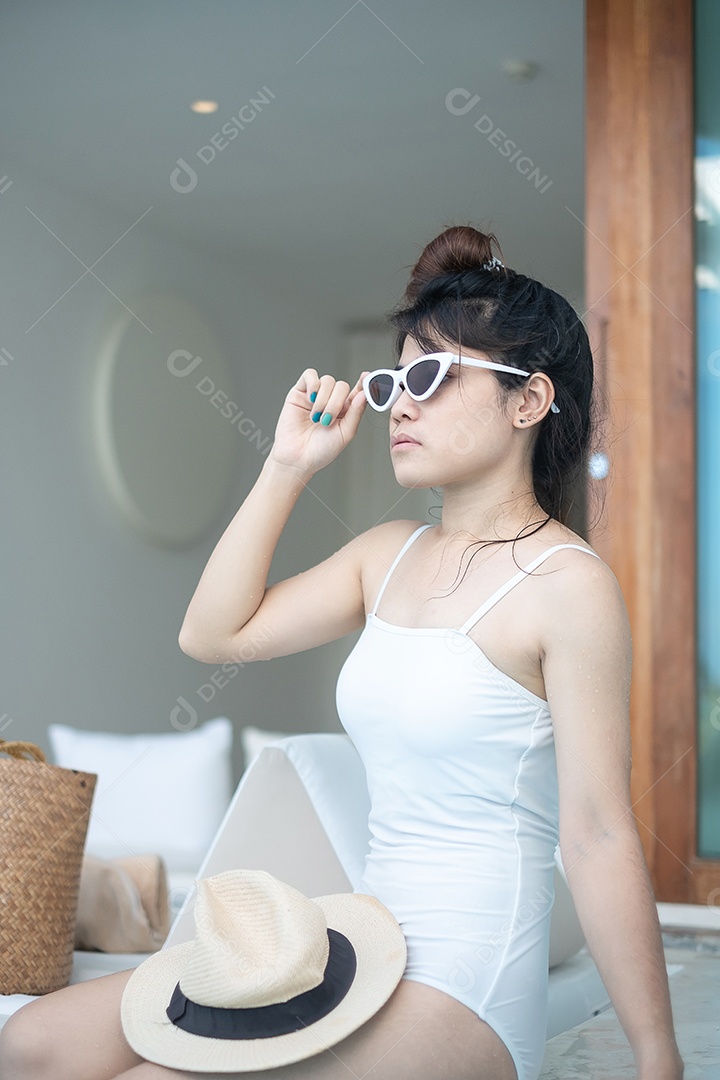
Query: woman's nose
(404, 406)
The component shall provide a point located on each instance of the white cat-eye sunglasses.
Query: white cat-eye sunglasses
(421, 378)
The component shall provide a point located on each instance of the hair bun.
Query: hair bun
(455, 250)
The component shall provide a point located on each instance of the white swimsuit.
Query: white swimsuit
(460, 763)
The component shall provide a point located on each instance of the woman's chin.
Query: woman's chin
(413, 487)
(412, 478)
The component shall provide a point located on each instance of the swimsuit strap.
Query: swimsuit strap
(499, 593)
(396, 560)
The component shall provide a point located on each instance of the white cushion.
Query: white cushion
(164, 794)
(333, 775)
(253, 741)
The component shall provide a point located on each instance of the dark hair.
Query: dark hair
(452, 296)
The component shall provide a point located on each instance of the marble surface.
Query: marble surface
(599, 1050)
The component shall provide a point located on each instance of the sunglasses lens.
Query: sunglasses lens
(420, 377)
(380, 387)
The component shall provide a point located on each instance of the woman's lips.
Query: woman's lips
(402, 440)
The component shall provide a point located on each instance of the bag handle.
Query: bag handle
(20, 750)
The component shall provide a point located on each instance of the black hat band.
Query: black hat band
(268, 1021)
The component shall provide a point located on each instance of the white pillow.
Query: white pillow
(155, 794)
(254, 739)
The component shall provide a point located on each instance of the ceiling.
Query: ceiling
(351, 163)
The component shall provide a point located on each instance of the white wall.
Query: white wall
(90, 611)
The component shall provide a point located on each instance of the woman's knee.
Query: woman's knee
(25, 1046)
(72, 1034)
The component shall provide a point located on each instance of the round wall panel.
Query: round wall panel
(166, 451)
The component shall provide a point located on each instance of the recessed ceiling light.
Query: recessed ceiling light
(521, 70)
(204, 106)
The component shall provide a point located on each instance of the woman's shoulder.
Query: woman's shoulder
(378, 547)
(380, 544)
(572, 574)
(585, 582)
(555, 534)
(572, 554)
(390, 535)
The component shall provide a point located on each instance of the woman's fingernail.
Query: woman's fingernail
(315, 417)
(327, 418)
(313, 395)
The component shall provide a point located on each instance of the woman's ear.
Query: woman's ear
(534, 401)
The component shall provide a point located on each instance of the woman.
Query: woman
(484, 743)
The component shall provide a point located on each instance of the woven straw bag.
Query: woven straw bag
(44, 815)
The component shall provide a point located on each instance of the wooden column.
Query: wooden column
(640, 295)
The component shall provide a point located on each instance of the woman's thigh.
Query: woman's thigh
(72, 1034)
(419, 1034)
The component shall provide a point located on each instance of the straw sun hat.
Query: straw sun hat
(271, 977)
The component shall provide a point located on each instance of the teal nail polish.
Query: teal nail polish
(313, 395)
(327, 418)
(315, 417)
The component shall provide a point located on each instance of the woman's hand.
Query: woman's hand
(309, 445)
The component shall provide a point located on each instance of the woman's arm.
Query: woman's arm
(587, 669)
(231, 613)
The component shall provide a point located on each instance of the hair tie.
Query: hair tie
(492, 264)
